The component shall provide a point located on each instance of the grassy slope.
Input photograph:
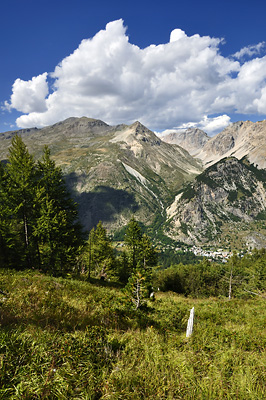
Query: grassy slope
(67, 339)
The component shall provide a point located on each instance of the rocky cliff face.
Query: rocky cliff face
(192, 139)
(228, 192)
(238, 139)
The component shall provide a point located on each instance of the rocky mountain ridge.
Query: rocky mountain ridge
(239, 139)
(192, 139)
(230, 192)
(113, 171)
(117, 171)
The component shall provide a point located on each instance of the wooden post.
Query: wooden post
(230, 284)
(190, 323)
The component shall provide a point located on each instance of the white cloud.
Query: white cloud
(214, 125)
(177, 34)
(208, 125)
(250, 51)
(29, 96)
(163, 86)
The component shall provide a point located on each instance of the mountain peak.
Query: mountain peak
(136, 133)
(81, 121)
(242, 138)
(192, 139)
(139, 128)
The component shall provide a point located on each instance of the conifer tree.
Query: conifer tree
(88, 254)
(133, 238)
(140, 249)
(142, 257)
(57, 230)
(21, 187)
(6, 242)
(148, 254)
(123, 268)
(100, 253)
(136, 289)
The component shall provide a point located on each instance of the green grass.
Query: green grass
(69, 339)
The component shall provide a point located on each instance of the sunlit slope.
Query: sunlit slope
(113, 171)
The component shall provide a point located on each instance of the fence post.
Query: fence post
(190, 323)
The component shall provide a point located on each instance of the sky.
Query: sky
(168, 64)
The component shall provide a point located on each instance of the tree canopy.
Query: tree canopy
(39, 226)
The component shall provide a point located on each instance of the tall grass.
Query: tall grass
(68, 339)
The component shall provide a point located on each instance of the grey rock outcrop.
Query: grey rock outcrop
(228, 191)
(192, 139)
(238, 139)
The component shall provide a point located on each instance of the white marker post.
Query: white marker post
(190, 323)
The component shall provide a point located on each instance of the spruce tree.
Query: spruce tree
(6, 237)
(133, 238)
(57, 229)
(21, 187)
(99, 253)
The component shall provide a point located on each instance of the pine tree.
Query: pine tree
(57, 230)
(136, 289)
(148, 254)
(99, 253)
(142, 254)
(133, 238)
(122, 267)
(6, 237)
(88, 254)
(21, 187)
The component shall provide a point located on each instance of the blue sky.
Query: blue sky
(115, 61)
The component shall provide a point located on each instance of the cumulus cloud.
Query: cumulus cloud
(177, 34)
(29, 96)
(207, 124)
(250, 51)
(163, 86)
(214, 125)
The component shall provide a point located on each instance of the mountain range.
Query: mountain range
(238, 139)
(193, 188)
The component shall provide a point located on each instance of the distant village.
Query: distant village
(219, 255)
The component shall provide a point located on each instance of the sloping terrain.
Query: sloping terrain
(117, 171)
(230, 193)
(192, 139)
(238, 139)
(113, 171)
